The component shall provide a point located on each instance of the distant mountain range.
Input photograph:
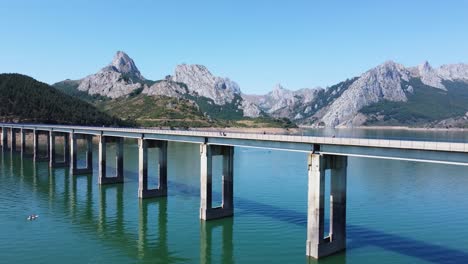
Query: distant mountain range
(192, 96)
(389, 94)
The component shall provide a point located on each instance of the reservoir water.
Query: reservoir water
(397, 212)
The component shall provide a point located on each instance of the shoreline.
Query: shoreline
(392, 128)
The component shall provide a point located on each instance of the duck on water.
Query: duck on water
(32, 217)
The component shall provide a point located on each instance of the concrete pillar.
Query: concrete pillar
(51, 149)
(53, 163)
(118, 178)
(23, 141)
(207, 212)
(74, 157)
(143, 191)
(4, 138)
(317, 245)
(12, 139)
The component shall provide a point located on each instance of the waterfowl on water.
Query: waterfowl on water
(32, 217)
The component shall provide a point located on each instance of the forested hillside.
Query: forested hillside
(23, 99)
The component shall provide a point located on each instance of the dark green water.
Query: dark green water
(398, 212)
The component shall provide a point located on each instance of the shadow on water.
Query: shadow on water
(358, 236)
(108, 227)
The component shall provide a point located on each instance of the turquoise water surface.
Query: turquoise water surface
(397, 212)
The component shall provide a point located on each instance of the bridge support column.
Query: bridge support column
(143, 191)
(53, 163)
(207, 212)
(4, 138)
(23, 141)
(317, 245)
(118, 178)
(74, 157)
(12, 139)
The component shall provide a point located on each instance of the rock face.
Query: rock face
(122, 77)
(386, 83)
(380, 83)
(282, 102)
(337, 105)
(124, 64)
(435, 77)
(199, 80)
(118, 79)
(165, 88)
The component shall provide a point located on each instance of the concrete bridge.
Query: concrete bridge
(324, 153)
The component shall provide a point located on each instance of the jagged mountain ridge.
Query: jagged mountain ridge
(348, 103)
(389, 82)
(342, 105)
(122, 78)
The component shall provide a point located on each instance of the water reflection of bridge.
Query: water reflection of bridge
(111, 228)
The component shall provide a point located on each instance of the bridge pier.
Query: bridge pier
(207, 212)
(12, 139)
(143, 191)
(4, 138)
(53, 163)
(317, 245)
(118, 178)
(36, 143)
(22, 141)
(74, 157)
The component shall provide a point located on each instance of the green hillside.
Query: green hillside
(162, 111)
(23, 99)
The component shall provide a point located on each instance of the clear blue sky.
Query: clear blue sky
(256, 43)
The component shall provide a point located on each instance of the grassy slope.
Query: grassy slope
(426, 104)
(156, 111)
(191, 111)
(24, 99)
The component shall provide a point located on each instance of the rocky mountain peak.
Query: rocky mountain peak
(278, 87)
(427, 74)
(380, 83)
(119, 78)
(425, 67)
(122, 63)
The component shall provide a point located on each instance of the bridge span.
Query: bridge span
(324, 153)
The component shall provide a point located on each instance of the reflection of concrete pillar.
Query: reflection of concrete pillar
(118, 178)
(143, 191)
(317, 245)
(102, 209)
(206, 238)
(35, 136)
(207, 211)
(74, 155)
(160, 246)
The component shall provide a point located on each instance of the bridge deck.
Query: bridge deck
(413, 150)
